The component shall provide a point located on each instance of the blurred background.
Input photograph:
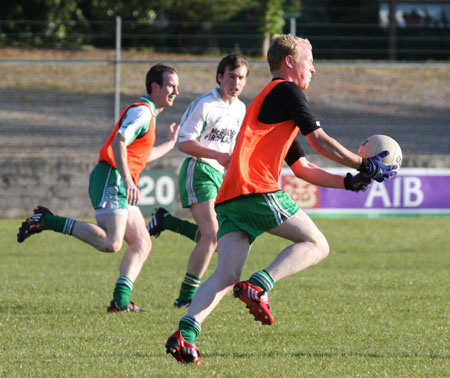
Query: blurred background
(344, 29)
(67, 68)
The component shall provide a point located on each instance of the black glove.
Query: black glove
(374, 167)
(357, 182)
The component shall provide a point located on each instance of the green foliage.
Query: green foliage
(212, 11)
(272, 16)
(73, 23)
(293, 7)
(376, 307)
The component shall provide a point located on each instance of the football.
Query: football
(375, 144)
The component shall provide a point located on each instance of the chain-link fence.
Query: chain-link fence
(422, 37)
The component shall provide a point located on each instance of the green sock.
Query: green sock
(189, 328)
(262, 279)
(182, 227)
(189, 287)
(59, 224)
(122, 291)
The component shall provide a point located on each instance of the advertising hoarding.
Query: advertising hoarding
(414, 191)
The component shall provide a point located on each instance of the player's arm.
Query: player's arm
(310, 172)
(121, 159)
(287, 101)
(192, 123)
(136, 121)
(194, 148)
(329, 147)
(168, 145)
(305, 170)
(291, 100)
(372, 167)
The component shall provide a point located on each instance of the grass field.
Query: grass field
(378, 306)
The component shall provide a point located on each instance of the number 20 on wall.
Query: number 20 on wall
(156, 189)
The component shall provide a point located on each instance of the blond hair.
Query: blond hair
(283, 45)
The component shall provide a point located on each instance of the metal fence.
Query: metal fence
(331, 40)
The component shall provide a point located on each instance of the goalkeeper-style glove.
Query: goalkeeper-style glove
(374, 167)
(357, 182)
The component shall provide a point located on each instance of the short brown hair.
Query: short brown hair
(156, 75)
(233, 61)
(283, 45)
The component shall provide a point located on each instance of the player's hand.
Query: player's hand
(374, 167)
(133, 193)
(356, 183)
(224, 158)
(172, 133)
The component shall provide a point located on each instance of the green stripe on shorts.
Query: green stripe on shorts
(254, 213)
(198, 182)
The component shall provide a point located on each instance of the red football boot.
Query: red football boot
(256, 300)
(181, 350)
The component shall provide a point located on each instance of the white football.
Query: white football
(375, 144)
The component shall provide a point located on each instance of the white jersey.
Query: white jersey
(212, 122)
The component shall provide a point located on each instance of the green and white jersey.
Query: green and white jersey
(136, 121)
(213, 123)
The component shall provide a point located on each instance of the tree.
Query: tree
(193, 20)
(74, 23)
(272, 17)
(272, 22)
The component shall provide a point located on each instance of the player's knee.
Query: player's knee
(228, 277)
(147, 246)
(144, 248)
(210, 239)
(320, 246)
(323, 248)
(229, 281)
(144, 242)
(113, 246)
(233, 278)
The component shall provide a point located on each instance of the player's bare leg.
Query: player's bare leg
(205, 217)
(139, 244)
(310, 246)
(107, 235)
(233, 250)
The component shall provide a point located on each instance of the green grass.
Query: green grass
(377, 306)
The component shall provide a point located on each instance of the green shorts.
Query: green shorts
(108, 195)
(254, 213)
(198, 182)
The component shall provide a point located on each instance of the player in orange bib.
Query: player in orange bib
(250, 201)
(113, 186)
